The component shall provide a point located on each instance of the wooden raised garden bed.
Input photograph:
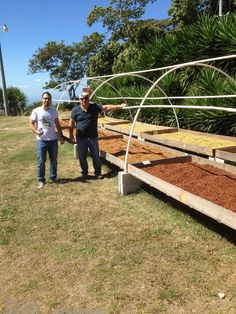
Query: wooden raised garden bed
(103, 121)
(114, 148)
(197, 142)
(125, 128)
(204, 185)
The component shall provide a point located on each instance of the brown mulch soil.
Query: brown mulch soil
(137, 151)
(206, 181)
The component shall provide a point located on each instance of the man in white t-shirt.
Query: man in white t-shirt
(43, 121)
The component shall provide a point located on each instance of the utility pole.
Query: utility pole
(4, 89)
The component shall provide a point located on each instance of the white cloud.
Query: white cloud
(40, 80)
(23, 86)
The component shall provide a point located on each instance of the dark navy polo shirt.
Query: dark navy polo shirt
(86, 122)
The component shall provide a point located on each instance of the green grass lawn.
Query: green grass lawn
(80, 247)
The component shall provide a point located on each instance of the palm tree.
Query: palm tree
(17, 101)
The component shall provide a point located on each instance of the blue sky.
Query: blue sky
(32, 23)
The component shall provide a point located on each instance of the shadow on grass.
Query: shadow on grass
(68, 180)
(108, 175)
(208, 222)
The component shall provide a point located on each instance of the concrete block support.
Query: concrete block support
(219, 160)
(75, 152)
(140, 138)
(127, 183)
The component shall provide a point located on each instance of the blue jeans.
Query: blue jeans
(42, 147)
(89, 144)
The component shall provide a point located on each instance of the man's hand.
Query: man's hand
(72, 140)
(106, 108)
(38, 132)
(62, 139)
(122, 106)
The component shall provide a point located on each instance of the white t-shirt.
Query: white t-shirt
(45, 120)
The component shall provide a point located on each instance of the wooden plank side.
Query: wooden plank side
(187, 158)
(116, 128)
(109, 137)
(160, 130)
(110, 120)
(112, 159)
(226, 153)
(113, 123)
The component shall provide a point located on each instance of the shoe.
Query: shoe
(99, 177)
(54, 180)
(40, 185)
(84, 177)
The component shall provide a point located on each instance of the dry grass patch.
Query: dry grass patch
(80, 246)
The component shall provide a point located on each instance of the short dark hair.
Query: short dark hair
(47, 93)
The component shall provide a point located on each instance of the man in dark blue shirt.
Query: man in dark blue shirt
(85, 118)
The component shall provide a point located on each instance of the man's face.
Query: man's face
(46, 101)
(84, 101)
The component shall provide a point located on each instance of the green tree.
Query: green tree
(127, 60)
(101, 63)
(93, 56)
(186, 12)
(128, 35)
(117, 16)
(143, 31)
(65, 63)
